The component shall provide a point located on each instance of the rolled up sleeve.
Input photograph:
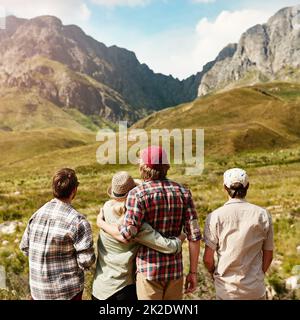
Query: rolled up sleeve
(269, 240)
(210, 232)
(191, 226)
(134, 217)
(84, 245)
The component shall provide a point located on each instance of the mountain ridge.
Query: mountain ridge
(65, 66)
(117, 68)
(133, 89)
(247, 119)
(265, 52)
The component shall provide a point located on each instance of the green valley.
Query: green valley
(256, 128)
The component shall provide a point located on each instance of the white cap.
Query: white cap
(235, 175)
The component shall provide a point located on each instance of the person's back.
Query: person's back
(115, 262)
(58, 241)
(164, 205)
(168, 207)
(241, 234)
(114, 276)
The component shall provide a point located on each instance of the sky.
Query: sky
(175, 37)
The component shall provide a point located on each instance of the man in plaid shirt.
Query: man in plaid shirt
(59, 243)
(168, 207)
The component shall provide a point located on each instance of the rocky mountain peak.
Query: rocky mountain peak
(265, 52)
(74, 70)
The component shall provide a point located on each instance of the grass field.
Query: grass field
(268, 112)
(274, 184)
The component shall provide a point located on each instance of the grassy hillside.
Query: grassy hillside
(34, 103)
(27, 111)
(22, 146)
(26, 185)
(253, 118)
(256, 120)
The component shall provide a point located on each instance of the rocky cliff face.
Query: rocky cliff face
(265, 52)
(71, 69)
(91, 77)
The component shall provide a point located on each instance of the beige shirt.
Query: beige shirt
(238, 232)
(115, 266)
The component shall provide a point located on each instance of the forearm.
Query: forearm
(267, 260)
(112, 230)
(210, 266)
(208, 259)
(151, 238)
(194, 250)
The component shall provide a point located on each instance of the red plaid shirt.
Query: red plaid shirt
(168, 207)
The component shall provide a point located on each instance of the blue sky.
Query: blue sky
(172, 36)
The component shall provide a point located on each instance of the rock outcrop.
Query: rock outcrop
(265, 52)
(72, 69)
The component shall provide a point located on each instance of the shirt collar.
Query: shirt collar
(61, 202)
(233, 200)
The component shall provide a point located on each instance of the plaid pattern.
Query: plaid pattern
(59, 243)
(167, 206)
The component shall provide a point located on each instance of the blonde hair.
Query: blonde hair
(119, 209)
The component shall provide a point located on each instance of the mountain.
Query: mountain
(265, 52)
(45, 65)
(72, 70)
(192, 83)
(260, 117)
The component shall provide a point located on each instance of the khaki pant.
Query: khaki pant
(158, 290)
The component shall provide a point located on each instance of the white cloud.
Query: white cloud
(213, 36)
(85, 12)
(70, 11)
(184, 52)
(114, 3)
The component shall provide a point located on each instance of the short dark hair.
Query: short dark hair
(237, 190)
(158, 173)
(64, 183)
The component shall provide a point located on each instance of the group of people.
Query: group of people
(142, 228)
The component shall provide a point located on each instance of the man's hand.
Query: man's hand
(100, 218)
(182, 237)
(191, 279)
(191, 283)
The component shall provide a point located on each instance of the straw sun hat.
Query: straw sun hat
(121, 184)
